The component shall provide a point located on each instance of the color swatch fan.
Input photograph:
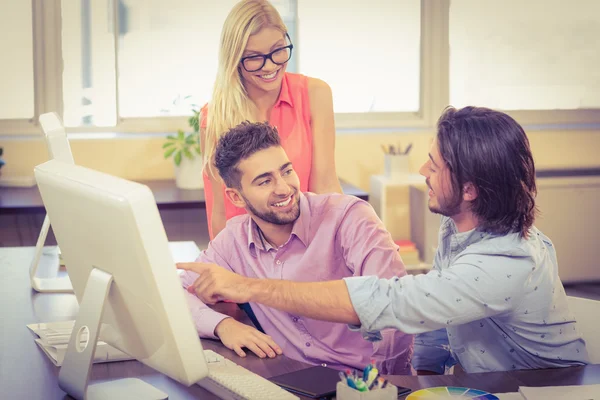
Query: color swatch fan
(447, 392)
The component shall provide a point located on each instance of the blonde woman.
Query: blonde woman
(252, 84)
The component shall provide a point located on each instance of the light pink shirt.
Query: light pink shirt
(336, 236)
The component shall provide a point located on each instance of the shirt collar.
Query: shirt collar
(462, 240)
(302, 224)
(299, 230)
(255, 238)
(285, 95)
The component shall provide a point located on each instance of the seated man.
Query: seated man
(493, 300)
(301, 237)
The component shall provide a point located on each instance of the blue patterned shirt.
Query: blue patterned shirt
(491, 302)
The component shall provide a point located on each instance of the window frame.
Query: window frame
(434, 84)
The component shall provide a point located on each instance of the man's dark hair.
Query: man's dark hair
(238, 144)
(490, 149)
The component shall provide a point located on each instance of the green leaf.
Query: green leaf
(171, 137)
(178, 158)
(188, 153)
(197, 148)
(170, 151)
(194, 120)
(168, 144)
(180, 135)
(190, 139)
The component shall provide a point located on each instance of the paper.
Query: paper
(53, 339)
(583, 392)
(509, 396)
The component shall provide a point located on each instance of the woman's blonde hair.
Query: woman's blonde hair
(230, 105)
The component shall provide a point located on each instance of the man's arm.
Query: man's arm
(327, 301)
(476, 287)
(367, 247)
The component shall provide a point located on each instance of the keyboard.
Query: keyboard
(230, 381)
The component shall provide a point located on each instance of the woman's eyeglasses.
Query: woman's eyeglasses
(278, 56)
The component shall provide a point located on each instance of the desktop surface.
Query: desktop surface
(25, 372)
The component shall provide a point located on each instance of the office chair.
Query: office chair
(586, 313)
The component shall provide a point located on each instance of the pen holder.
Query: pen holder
(396, 166)
(345, 392)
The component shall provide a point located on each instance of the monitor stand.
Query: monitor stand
(75, 372)
(47, 285)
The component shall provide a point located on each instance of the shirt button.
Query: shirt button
(278, 262)
(307, 344)
(295, 319)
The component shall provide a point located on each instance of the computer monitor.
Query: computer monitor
(58, 149)
(113, 241)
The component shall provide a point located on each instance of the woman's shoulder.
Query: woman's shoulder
(204, 110)
(203, 115)
(311, 83)
(318, 88)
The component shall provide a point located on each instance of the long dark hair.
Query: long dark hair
(490, 150)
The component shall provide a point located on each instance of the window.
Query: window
(522, 58)
(367, 51)
(16, 71)
(141, 65)
(167, 55)
(166, 58)
(88, 44)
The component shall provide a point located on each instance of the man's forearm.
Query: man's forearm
(327, 301)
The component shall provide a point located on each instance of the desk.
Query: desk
(16, 200)
(25, 372)
(505, 382)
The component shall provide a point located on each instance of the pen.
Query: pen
(350, 383)
(361, 386)
(408, 148)
(366, 372)
(374, 382)
(372, 378)
(384, 384)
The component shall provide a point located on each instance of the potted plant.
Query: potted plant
(184, 148)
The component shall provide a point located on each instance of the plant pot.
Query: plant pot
(188, 175)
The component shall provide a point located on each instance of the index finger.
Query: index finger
(193, 266)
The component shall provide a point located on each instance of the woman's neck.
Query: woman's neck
(264, 101)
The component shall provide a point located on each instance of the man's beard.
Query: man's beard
(274, 218)
(445, 209)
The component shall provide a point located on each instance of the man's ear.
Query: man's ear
(235, 197)
(469, 192)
